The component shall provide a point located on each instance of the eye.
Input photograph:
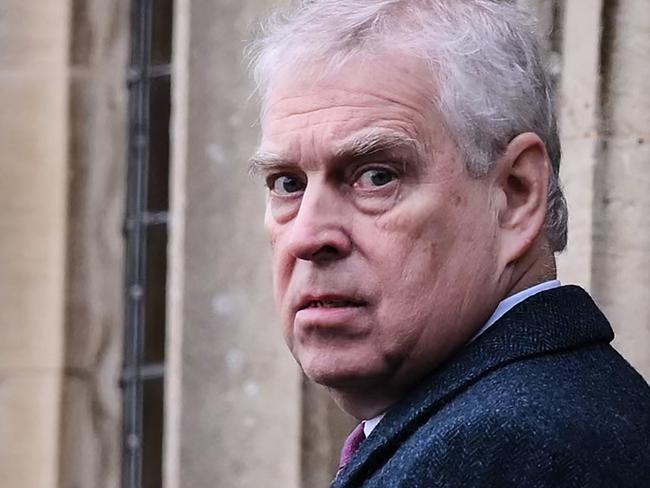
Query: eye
(284, 185)
(375, 178)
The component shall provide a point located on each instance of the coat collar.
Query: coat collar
(554, 320)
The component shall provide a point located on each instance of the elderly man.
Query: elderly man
(411, 156)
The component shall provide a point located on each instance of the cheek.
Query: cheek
(428, 249)
(270, 225)
(411, 217)
(281, 210)
(414, 236)
(279, 264)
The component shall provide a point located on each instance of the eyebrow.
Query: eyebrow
(262, 161)
(375, 141)
(357, 146)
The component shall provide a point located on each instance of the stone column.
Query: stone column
(579, 121)
(91, 415)
(33, 162)
(233, 400)
(622, 249)
(324, 429)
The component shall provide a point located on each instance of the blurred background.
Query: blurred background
(138, 343)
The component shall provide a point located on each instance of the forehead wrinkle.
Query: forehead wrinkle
(340, 125)
(332, 105)
(332, 102)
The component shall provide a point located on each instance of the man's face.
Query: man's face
(384, 248)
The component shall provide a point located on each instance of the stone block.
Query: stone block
(31, 35)
(32, 220)
(29, 419)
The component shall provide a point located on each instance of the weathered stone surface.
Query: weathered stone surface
(32, 219)
(33, 35)
(622, 245)
(29, 433)
(579, 109)
(33, 143)
(91, 415)
(233, 390)
(324, 427)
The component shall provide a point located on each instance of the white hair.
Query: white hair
(483, 55)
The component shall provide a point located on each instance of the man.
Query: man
(411, 154)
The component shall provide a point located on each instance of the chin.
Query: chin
(341, 375)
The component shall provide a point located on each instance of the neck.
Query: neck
(533, 268)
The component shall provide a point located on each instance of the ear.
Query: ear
(522, 181)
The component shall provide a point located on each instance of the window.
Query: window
(142, 378)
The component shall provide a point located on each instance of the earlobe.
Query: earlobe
(523, 174)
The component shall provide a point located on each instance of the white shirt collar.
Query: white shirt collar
(513, 300)
(502, 308)
(369, 425)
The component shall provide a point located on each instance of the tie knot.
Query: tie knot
(351, 445)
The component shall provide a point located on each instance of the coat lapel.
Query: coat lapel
(557, 319)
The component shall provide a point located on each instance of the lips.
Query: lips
(329, 301)
(331, 304)
(340, 314)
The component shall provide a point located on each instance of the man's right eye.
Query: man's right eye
(284, 185)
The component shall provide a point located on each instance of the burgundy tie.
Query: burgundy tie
(351, 445)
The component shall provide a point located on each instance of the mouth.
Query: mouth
(330, 302)
(327, 314)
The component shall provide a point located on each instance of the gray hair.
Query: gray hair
(483, 55)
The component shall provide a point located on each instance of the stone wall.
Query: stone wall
(33, 188)
(596, 51)
(97, 118)
(63, 133)
(605, 121)
(233, 392)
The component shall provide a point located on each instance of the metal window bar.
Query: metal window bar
(135, 247)
(138, 222)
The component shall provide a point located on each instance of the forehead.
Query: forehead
(394, 93)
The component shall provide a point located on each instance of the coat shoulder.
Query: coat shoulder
(574, 418)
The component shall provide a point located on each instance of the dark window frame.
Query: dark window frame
(145, 233)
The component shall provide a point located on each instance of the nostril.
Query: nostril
(327, 252)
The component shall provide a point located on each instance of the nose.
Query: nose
(318, 231)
